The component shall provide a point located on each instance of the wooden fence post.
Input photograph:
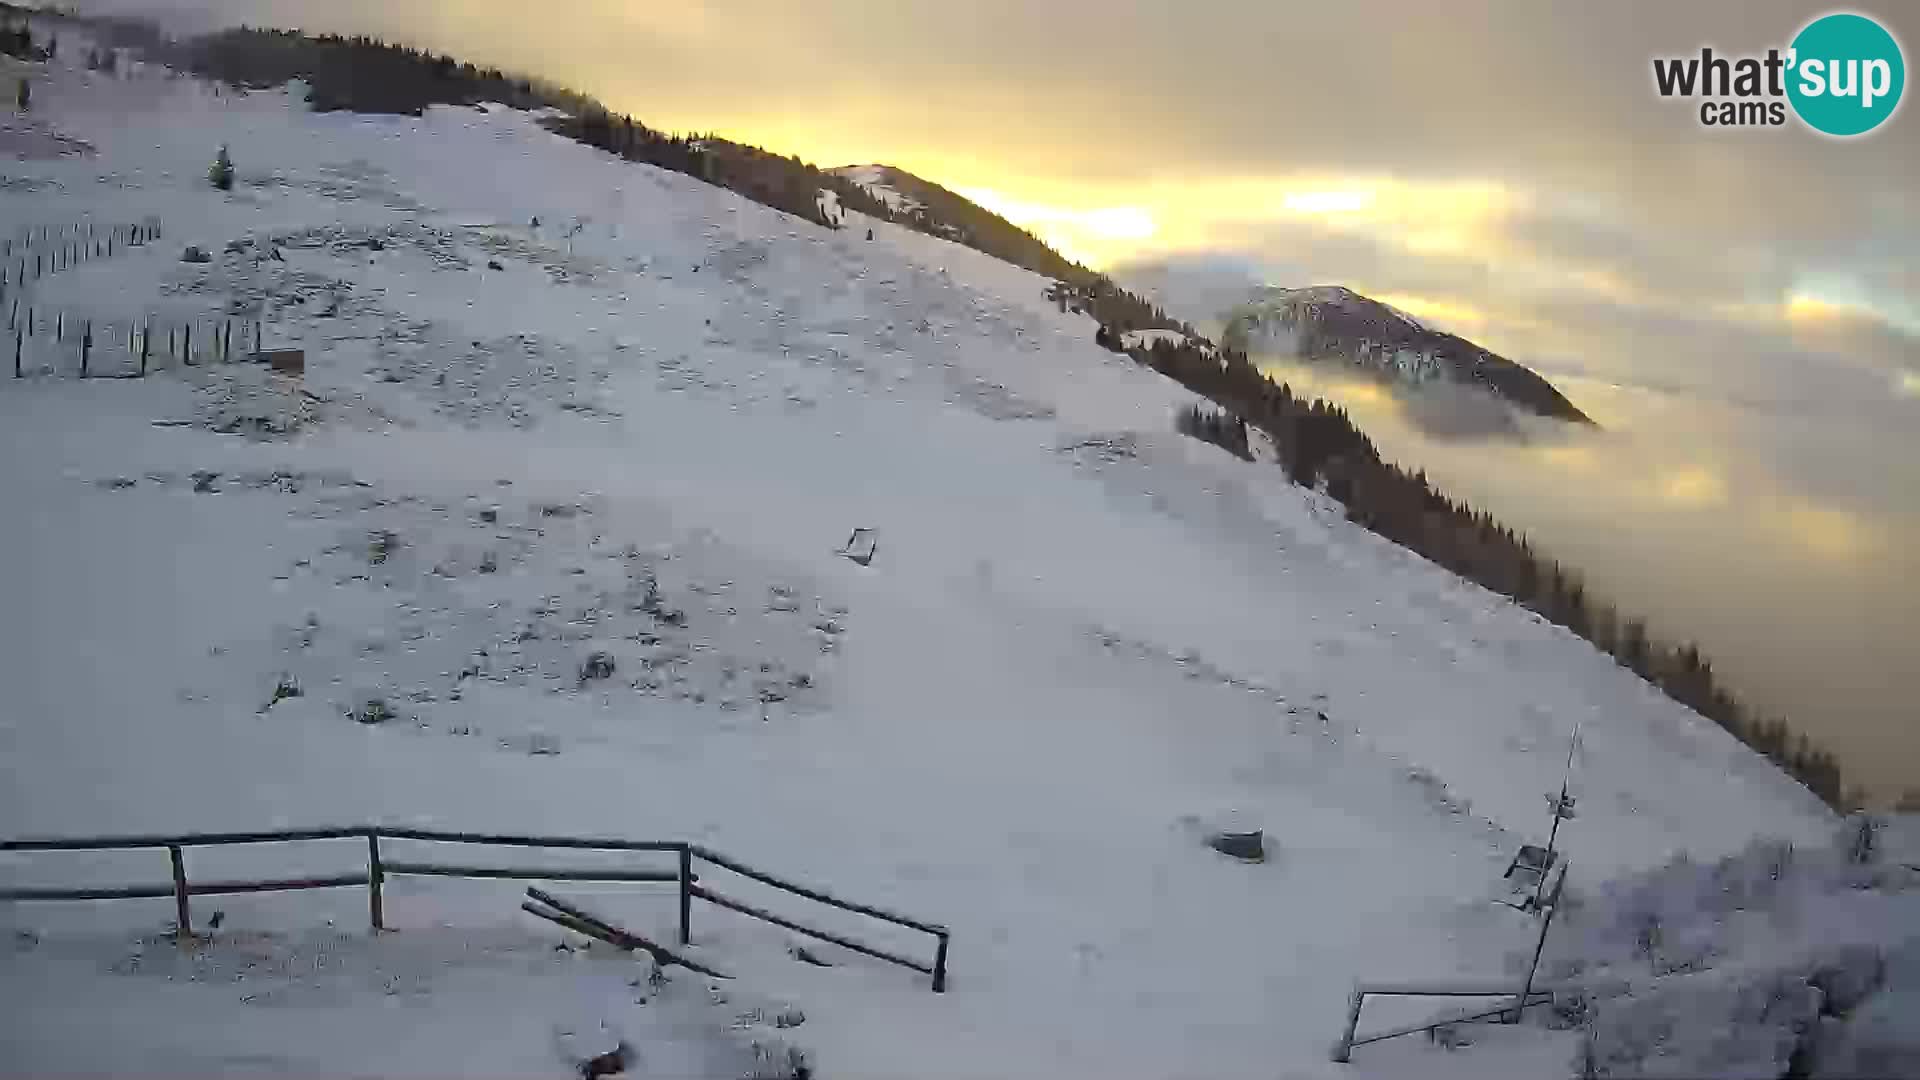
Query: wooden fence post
(686, 895)
(146, 339)
(376, 875)
(940, 967)
(86, 347)
(183, 924)
(186, 345)
(19, 334)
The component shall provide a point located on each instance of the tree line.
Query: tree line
(1319, 446)
(1222, 429)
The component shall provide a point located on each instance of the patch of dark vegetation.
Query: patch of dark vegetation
(282, 690)
(596, 667)
(1222, 429)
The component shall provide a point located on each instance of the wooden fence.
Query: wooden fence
(43, 341)
(380, 868)
(33, 253)
(42, 338)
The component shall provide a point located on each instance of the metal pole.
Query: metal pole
(1526, 989)
(183, 924)
(375, 877)
(1343, 1050)
(1559, 810)
(686, 895)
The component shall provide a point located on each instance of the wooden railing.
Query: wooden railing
(379, 869)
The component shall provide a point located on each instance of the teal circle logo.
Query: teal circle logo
(1846, 74)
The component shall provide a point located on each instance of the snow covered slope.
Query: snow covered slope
(517, 446)
(874, 178)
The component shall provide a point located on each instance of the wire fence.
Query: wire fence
(47, 339)
(50, 341)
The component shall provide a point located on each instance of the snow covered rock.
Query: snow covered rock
(1245, 846)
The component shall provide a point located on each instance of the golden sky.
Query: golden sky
(1480, 169)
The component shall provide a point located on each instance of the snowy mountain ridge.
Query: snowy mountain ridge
(1320, 321)
(875, 179)
(560, 488)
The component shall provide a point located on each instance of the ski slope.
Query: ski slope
(1083, 639)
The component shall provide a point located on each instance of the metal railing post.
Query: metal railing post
(686, 894)
(1343, 1051)
(376, 875)
(183, 918)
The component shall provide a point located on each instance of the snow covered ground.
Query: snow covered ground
(874, 179)
(516, 446)
(1147, 339)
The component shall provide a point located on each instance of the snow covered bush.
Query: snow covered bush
(221, 172)
(1771, 962)
(1710, 1025)
(1877, 1041)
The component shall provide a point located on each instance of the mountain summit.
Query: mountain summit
(1323, 321)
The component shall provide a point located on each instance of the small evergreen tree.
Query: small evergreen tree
(222, 171)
